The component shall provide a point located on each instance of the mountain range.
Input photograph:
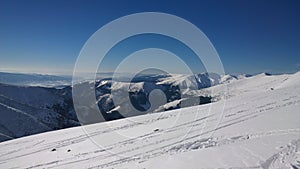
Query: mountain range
(253, 122)
(27, 110)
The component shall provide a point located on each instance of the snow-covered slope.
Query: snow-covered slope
(259, 128)
(140, 88)
(30, 110)
(27, 110)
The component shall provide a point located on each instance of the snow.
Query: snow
(259, 128)
(29, 110)
(169, 105)
(103, 83)
(114, 109)
(188, 81)
(227, 79)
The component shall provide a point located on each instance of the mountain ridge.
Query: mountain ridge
(258, 128)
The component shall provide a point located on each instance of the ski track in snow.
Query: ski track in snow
(138, 151)
(288, 154)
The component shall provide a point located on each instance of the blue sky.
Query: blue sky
(250, 36)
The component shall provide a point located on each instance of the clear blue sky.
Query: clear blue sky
(250, 36)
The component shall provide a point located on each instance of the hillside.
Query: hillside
(30, 110)
(253, 124)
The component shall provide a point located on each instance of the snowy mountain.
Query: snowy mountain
(30, 110)
(27, 110)
(254, 123)
(175, 88)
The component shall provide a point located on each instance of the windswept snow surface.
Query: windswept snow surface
(259, 128)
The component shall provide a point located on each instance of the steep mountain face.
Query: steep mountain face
(30, 110)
